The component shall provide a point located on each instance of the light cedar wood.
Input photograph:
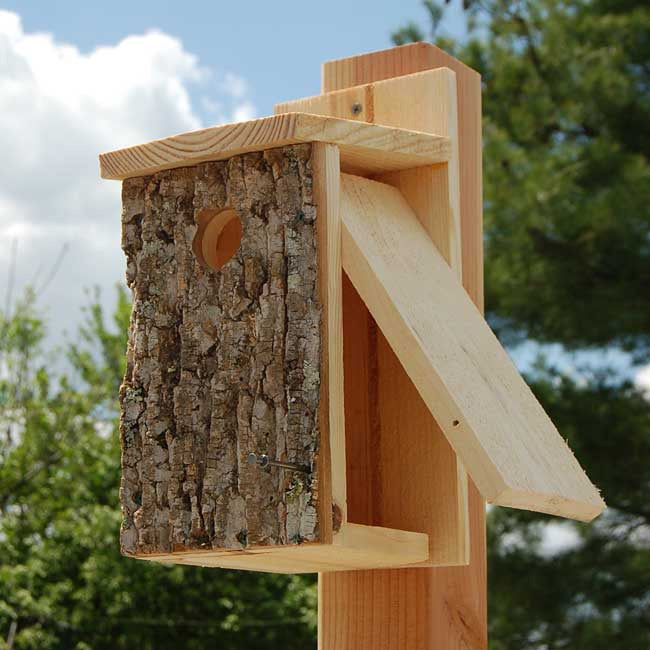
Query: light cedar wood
(327, 179)
(419, 484)
(365, 148)
(353, 547)
(491, 418)
(417, 57)
(431, 107)
(361, 423)
(443, 608)
(429, 478)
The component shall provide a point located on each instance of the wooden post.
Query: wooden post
(419, 609)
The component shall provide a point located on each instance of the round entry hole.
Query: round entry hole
(218, 236)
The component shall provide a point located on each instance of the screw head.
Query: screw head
(356, 108)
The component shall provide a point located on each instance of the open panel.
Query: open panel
(487, 412)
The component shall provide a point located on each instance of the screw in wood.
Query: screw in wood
(356, 108)
(264, 461)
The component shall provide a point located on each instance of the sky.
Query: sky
(79, 78)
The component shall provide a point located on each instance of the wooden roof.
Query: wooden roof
(365, 148)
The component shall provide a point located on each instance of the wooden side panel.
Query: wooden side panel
(486, 410)
(327, 179)
(361, 421)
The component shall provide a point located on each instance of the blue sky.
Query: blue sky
(78, 78)
(276, 46)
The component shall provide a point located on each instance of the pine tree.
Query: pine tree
(63, 582)
(567, 214)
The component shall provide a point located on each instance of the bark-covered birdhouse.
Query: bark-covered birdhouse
(307, 380)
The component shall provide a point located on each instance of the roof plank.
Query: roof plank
(365, 148)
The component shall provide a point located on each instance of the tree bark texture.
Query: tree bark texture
(221, 363)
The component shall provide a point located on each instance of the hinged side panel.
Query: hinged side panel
(487, 412)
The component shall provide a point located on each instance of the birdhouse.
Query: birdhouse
(308, 383)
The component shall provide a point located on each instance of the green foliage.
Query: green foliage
(596, 593)
(567, 135)
(412, 32)
(407, 34)
(566, 130)
(62, 578)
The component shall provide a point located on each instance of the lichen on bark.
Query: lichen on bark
(221, 363)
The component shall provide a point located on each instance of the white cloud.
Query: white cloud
(558, 537)
(235, 86)
(59, 108)
(642, 380)
(243, 111)
(236, 89)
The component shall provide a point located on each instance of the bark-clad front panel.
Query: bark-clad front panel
(221, 363)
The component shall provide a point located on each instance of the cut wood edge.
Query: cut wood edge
(504, 469)
(338, 74)
(379, 539)
(364, 147)
(550, 504)
(332, 472)
(354, 547)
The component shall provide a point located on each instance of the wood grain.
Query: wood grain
(417, 57)
(489, 415)
(364, 147)
(327, 179)
(423, 478)
(354, 547)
